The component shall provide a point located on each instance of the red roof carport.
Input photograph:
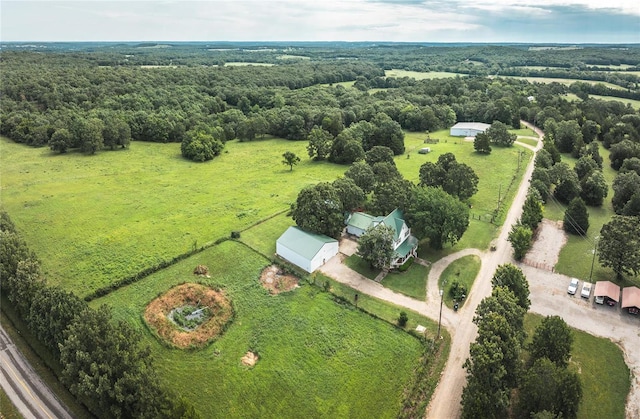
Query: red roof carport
(631, 297)
(607, 289)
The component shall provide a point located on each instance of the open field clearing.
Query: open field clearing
(603, 372)
(496, 172)
(96, 219)
(315, 357)
(419, 75)
(243, 63)
(578, 249)
(93, 220)
(564, 81)
(635, 104)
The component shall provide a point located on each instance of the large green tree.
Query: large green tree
(350, 194)
(511, 277)
(318, 209)
(434, 214)
(105, 366)
(482, 143)
(362, 174)
(625, 185)
(499, 134)
(547, 387)
(320, 142)
(532, 212)
(552, 339)
(51, 312)
(576, 217)
(520, 237)
(457, 179)
(376, 246)
(594, 189)
(619, 245)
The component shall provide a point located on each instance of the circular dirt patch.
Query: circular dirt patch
(158, 315)
(276, 281)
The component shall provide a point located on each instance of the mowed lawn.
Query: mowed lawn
(317, 358)
(603, 373)
(93, 220)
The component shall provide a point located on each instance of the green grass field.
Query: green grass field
(317, 357)
(96, 219)
(603, 372)
(412, 283)
(464, 271)
(564, 81)
(576, 256)
(495, 171)
(635, 104)
(420, 75)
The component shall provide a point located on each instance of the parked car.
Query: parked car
(586, 290)
(573, 286)
(599, 299)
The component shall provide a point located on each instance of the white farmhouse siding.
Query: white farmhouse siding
(306, 250)
(404, 244)
(468, 129)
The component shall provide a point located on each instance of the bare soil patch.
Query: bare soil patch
(549, 240)
(157, 315)
(274, 279)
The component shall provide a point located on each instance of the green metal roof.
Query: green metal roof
(395, 221)
(404, 249)
(303, 242)
(360, 220)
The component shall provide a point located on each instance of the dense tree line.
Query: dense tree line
(102, 363)
(495, 367)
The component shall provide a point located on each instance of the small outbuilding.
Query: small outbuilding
(607, 289)
(306, 250)
(468, 129)
(631, 299)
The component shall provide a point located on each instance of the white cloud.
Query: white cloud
(308, 20)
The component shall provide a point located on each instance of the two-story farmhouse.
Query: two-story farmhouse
(404, 244)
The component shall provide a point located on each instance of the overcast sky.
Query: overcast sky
(562, 21)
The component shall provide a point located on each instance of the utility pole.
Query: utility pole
(595, 250)
(440, 317)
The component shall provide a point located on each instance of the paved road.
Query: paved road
(24, 387)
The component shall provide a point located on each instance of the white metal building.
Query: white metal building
(306, 250)
(468, 129)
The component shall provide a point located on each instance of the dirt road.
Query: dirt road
(445, 402)
(23, 386)
(548, 297)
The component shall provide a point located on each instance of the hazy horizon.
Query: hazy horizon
(411, 21)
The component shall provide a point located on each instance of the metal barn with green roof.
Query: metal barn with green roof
(306, 250)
